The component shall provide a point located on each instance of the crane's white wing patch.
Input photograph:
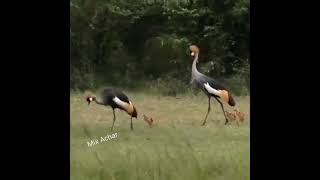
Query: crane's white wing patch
(126, 106)
(119, 102)
(210, 89)
(223, 94)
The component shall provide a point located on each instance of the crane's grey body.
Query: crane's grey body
(115, 98)
(200, 79)
(107, 94)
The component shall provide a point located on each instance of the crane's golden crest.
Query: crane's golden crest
(194, 49)
(88, 94)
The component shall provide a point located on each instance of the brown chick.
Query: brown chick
(231, 116)
(149, 120)
(240, 115)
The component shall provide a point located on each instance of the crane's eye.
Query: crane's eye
(192, 53)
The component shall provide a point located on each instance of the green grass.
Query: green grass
(175, 148)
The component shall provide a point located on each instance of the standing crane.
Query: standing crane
(115, 99)
(209, 86)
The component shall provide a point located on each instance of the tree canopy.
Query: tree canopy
(129, 42)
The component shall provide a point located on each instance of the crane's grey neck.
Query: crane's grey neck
(195, 72)
(99, 101)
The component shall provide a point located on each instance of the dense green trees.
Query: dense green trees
(129, 42)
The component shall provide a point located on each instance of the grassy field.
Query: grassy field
(175, 148)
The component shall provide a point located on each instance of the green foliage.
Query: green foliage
(123, 42)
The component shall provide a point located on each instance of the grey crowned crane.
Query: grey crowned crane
(114, 98)
(209, 86)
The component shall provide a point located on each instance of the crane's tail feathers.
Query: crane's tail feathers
(224, 94)
(231, 101)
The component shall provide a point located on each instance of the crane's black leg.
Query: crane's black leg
(223, 110)
(205, 119)
(114, 119)
(131, 124)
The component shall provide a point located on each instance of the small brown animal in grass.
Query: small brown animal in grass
(240, 115)
(149, 120)
(232, 116)
(235, 116)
